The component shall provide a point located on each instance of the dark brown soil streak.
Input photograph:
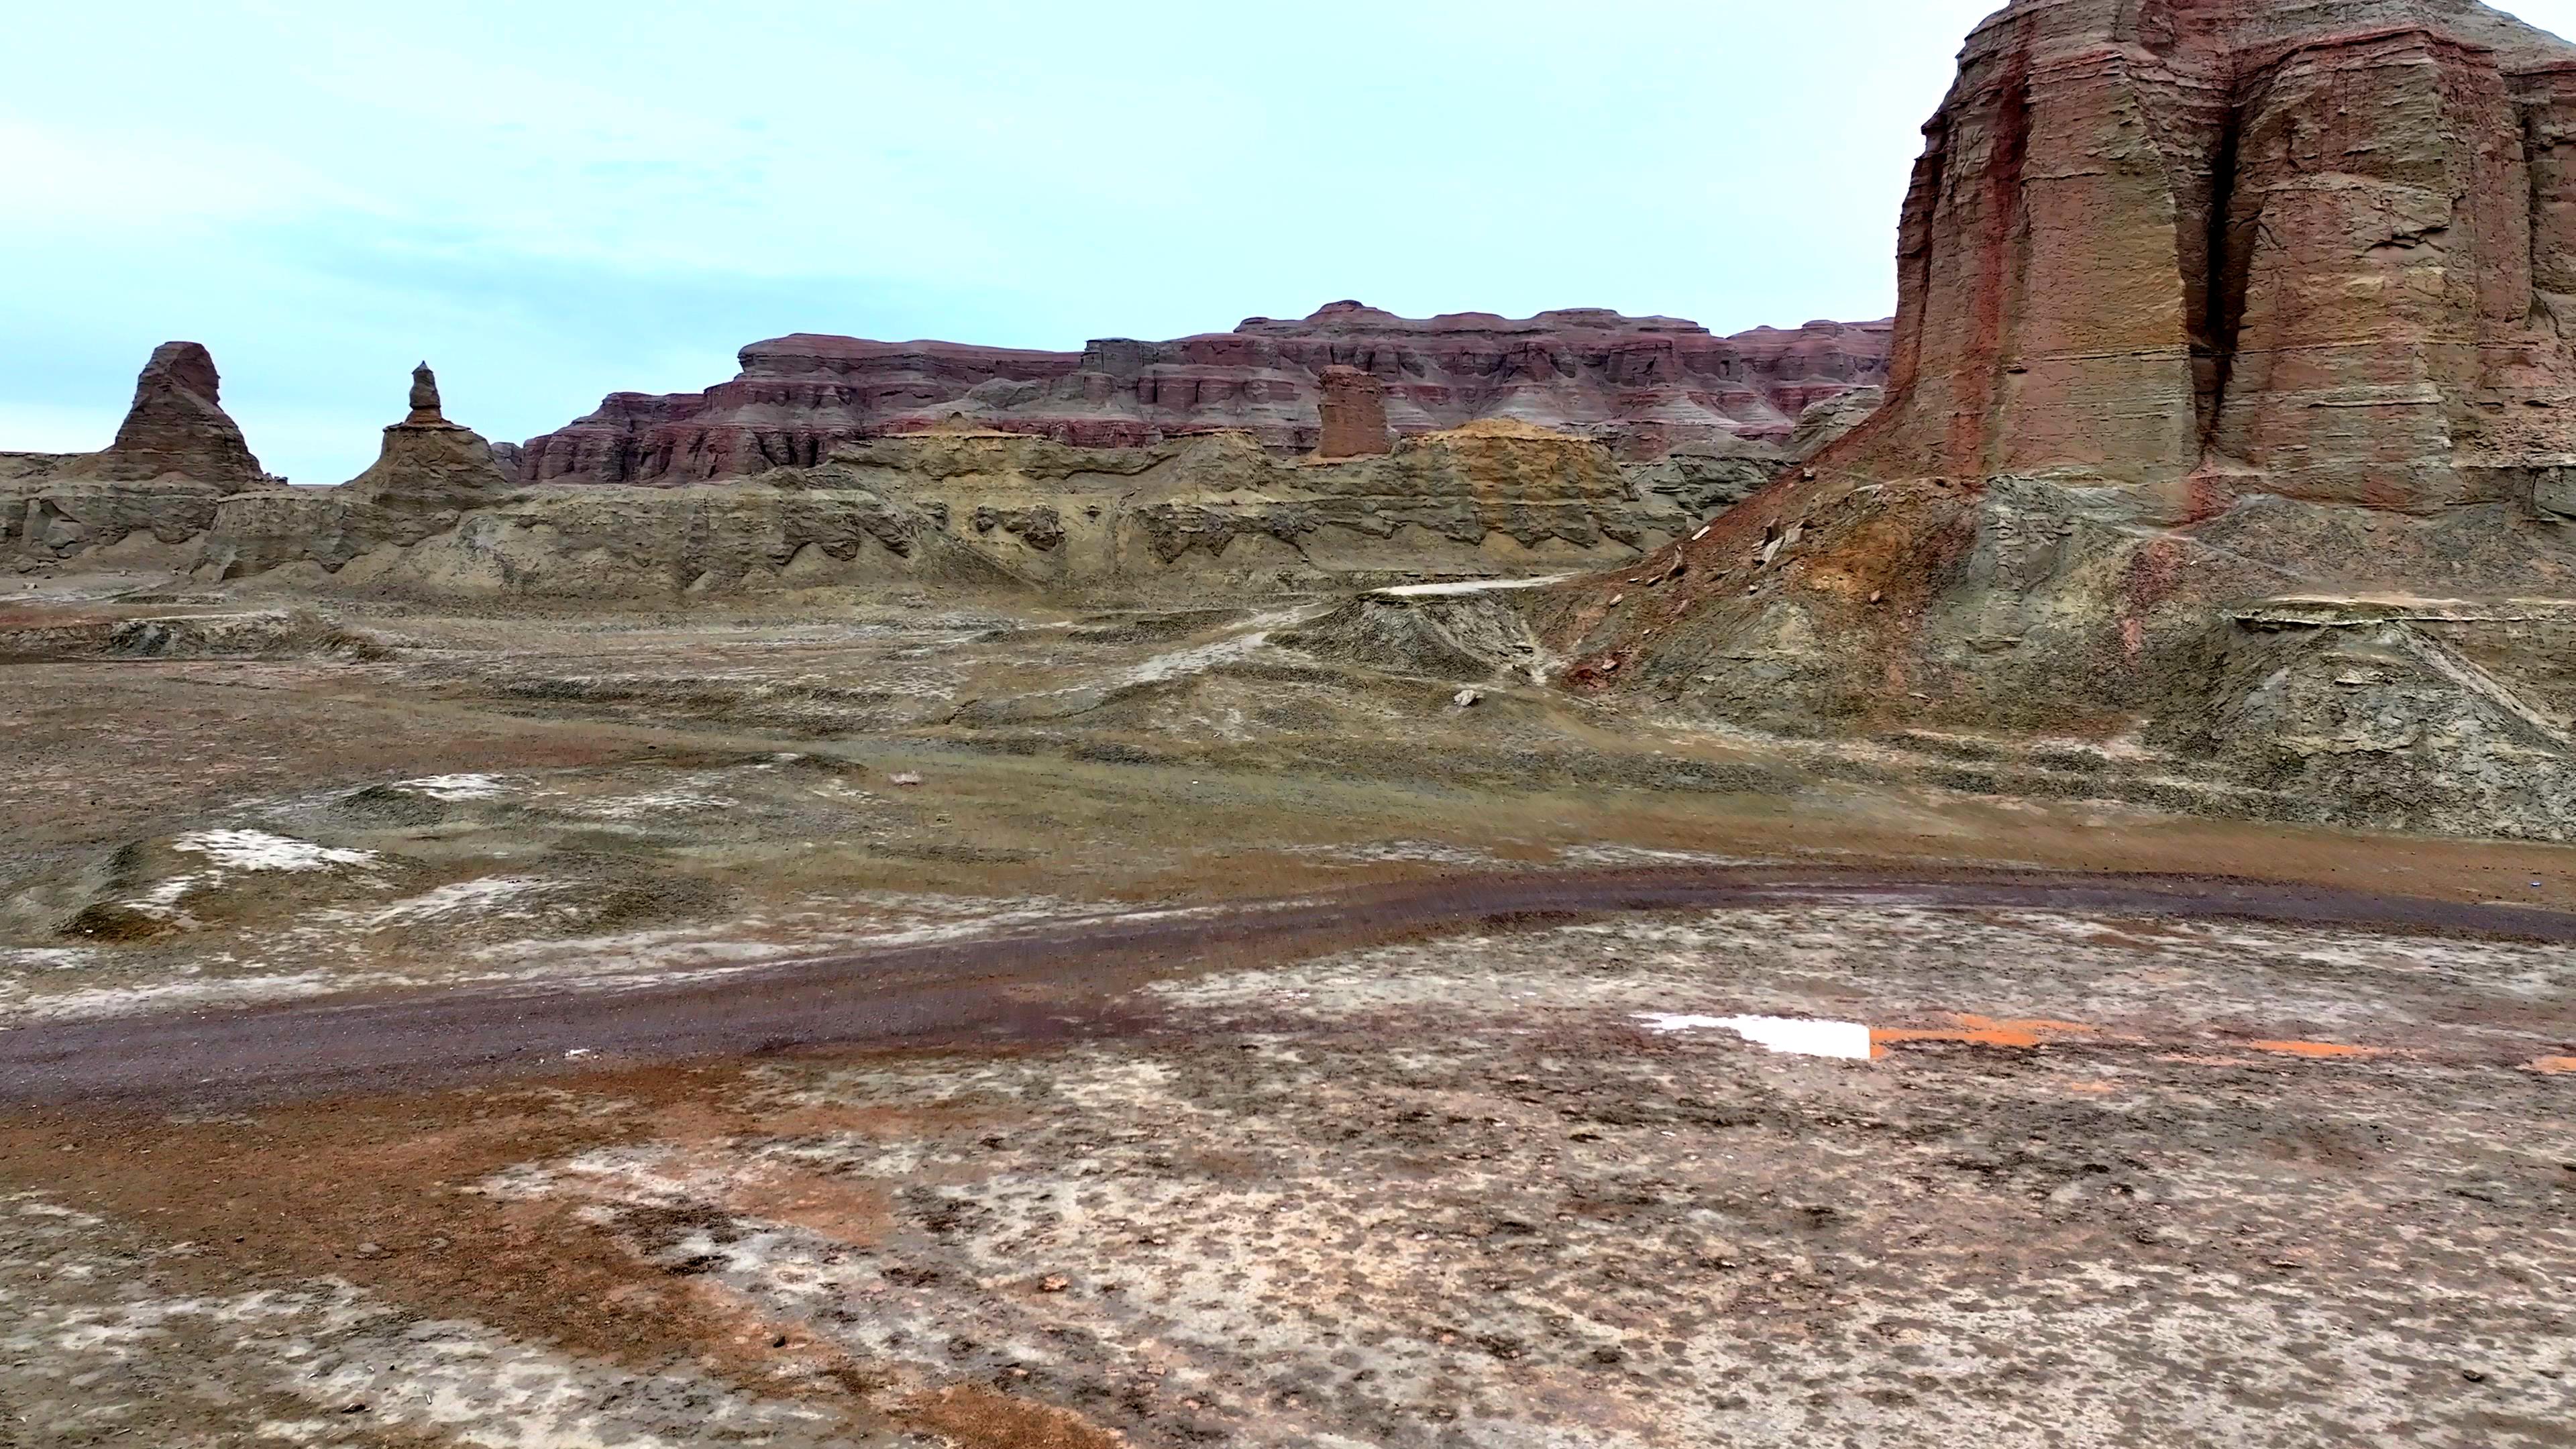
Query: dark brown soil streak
(1053, 981)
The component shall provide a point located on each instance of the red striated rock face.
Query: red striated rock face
(1353, 409)
(1641, 384)
(2206, 248)
(176, 427)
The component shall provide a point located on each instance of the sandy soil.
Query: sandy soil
(1076, 1029)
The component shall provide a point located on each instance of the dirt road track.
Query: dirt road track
(1054, 980)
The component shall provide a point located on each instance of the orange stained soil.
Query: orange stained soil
(2318, 1050)
(1977, 1031)
(2555, 1066)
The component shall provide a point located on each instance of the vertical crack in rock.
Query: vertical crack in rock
(2218, 294)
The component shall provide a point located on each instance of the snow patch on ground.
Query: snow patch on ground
(1643, 855)
(1386, 851)
(455, 788)
(49, 958)
(190, 991)
(490, 898)
(1254, 635)
(259, 850)
(1468, 586)
(1793, 1036)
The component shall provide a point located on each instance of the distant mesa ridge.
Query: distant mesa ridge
(1642, 385)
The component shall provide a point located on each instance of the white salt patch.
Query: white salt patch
(1844, 1040)
(1184, 662)
(1431, 851)
(191, 991)
(499, 897)
(455, 787)
(1643, 855)
(259, 850)
(1255, 633)
(1469, 586)
(49, 958)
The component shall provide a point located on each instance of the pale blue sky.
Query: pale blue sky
(551, 201)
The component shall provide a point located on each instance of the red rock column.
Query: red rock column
(1354, 408)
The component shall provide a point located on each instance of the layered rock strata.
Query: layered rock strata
(175, 428)
(988, 510)
(1641, 385)
(2201, 248)
(176, 456)
(439, 511)
(2205, 303)
(1353, 413)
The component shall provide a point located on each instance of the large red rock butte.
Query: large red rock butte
(1642, 384)
(2323, 249)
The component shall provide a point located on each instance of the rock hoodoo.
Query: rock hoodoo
(1353, 409)
(429, 462)
(425, 411)
(1640, 384)
(176, 427)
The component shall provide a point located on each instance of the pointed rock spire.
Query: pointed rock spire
(176, 427)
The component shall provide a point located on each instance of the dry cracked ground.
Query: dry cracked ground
(998, 1025)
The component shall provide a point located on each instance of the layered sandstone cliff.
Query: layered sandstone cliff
(442, 511)
(2230, 415)
(2211, 247)
(1640, 385)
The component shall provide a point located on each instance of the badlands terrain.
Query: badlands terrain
(2003, 877)
(848, 1023)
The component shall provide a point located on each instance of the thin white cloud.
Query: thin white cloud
(71, 180)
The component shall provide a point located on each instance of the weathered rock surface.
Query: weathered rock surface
(1641, 385)
(2202, 248)
(439, 512)
(175, 457)
(1493, 499)
(437, 515)
(176, 428)
(429, 464)
(603, 543)
(1828, 422)
(2205, 303)
(1353, 413)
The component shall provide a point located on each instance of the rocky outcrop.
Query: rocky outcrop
(439, 512)
(964, 508)
(1353, 412)
(429, 475)
(150, 493)
(1640, 385)
(1826, 423)
(176, 428)
(2205, 303)
(429, 465)
(1493, 499)
(2204, 248)
(599, 543)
